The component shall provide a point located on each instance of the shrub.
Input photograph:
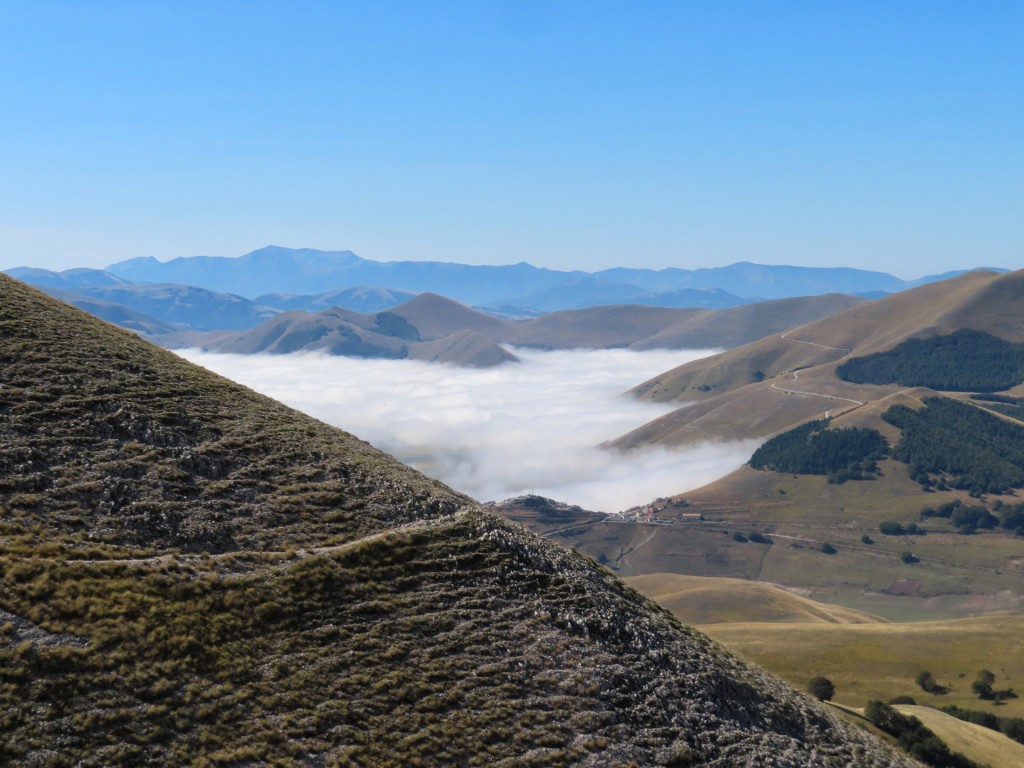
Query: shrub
(821, 688)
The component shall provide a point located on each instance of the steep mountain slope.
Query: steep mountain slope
(193, 574)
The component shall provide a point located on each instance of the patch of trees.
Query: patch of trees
(964, 361)
(929, 684)
(1012, 727)
(966, 519)
(1011, 517)
(913, 737)
(983, 687)
(813, 449)
(892, 528)
(978, 452)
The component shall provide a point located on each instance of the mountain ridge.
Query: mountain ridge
(305, 271)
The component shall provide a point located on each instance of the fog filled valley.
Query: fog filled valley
(528, 427)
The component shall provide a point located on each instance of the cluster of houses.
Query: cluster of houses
(649, 514)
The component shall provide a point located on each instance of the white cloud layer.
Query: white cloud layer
(499, 432)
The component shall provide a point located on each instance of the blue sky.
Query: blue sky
(568, 134)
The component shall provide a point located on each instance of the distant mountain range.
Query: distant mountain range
(265, 296)
(308, 271)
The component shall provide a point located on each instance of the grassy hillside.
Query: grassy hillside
(800, 363)
(740, 325)
(953, 574)
(880, 661)
(709, 600)
(984, 745)
(194, 574)
(344, 332)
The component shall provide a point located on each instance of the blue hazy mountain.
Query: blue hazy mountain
(359, 299)
(308, 271)
(147, 307)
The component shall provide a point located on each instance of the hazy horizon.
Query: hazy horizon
(573, 135)
(530, 427)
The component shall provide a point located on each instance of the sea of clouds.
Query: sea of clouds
(530, 427)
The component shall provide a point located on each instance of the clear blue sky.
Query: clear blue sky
(569, 134)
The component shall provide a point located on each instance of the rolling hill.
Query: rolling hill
(708, 600)
(343, 332)
(428, 317)
(195, 574)
(786, 378)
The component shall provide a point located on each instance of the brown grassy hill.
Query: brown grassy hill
(740, 325)
(984, 745)
(436, 317)
(981, 300)
(344, 332)
(709, 600)
(642, 327)
(752, 390)
(611, 326)
(191, 573)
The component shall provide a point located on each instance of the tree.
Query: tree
(828, 549)
(821, 688)
(926, 680)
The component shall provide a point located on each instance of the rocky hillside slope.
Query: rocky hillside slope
(194, 574)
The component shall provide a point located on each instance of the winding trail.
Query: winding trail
(785, 336)
(796, 377)
(796, 374)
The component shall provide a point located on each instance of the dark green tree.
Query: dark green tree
(821, 688)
